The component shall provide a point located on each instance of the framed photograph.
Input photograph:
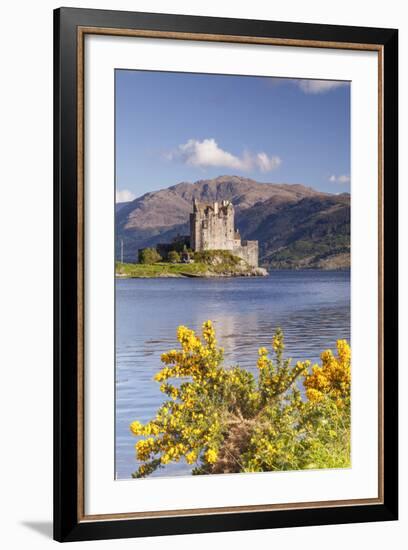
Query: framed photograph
(225, 274)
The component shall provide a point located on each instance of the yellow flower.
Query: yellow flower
(314, 395)
(191, 457)
(211, 456)
(277, 342)
(333, 378)
(136, 428)
(144, 447)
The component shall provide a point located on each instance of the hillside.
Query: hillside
(120, 205)
(312, 233)
(296, 226)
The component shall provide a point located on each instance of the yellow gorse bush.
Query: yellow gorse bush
(225, 419)
(333, 377)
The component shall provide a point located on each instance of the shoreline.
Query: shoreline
(210, 275)
(217, 265)
(258, 272)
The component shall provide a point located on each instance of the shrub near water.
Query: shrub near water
(174, 257)
(227, 420)
(149, 256)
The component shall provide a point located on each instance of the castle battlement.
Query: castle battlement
(212, 228)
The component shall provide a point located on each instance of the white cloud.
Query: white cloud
(339, 179)
(319, 86)
(124, 195)
(207, 154)
(265, 163)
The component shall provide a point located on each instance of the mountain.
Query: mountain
(312, 232)
(296, 226)
(120, 205)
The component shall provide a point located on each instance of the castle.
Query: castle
(212, 228)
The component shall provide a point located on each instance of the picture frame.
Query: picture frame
(71, 27)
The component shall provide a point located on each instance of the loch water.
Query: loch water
(312, 308)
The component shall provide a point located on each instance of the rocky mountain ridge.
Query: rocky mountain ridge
(296, 226)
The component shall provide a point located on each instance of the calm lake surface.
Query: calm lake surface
(312, 308)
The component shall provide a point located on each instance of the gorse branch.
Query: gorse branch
(224, 419)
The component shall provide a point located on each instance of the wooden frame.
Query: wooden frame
(71, 26)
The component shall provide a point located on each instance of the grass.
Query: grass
(206, 264)
(160, 269)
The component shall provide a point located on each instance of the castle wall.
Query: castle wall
(218, 231)
(248, 251)
(212, 228)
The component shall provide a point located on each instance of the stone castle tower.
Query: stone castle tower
(212, 228)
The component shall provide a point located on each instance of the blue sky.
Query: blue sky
(173, 127)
